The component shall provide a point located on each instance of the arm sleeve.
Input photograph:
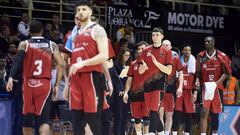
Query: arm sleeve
(17, 64)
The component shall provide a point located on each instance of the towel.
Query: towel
(210, 88)
(191, 63)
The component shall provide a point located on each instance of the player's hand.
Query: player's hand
(197, 83)
(110, 88)
(143, 67)
(73, 69)
(194, 96)
(125, 97)
(179, 92)
(153, 58)
(9, 85)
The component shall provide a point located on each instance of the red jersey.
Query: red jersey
(38, 58)
(110, 50)
(188, 78)
(138, 79)
(85, 47)
(177, 66)
(211, 69)
(162, 55)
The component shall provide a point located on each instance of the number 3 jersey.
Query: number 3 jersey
(38, 58)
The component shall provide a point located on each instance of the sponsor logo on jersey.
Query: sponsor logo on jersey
(34, 83)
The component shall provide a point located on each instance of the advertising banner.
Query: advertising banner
(229, 121)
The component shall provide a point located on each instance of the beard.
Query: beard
(83, 18)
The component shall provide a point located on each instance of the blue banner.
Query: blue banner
(229, 121)
(5, 117)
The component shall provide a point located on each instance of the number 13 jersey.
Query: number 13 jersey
(38, 58)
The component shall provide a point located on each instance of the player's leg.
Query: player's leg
(93, 86)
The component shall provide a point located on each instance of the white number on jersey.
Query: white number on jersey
(38, 70)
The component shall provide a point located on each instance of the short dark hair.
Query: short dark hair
(141, 43)
(158, 29)
(84, 3)
(35, 27)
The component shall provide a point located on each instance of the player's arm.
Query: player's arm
(108, 77)
(127, 88)
(165, 69)
(224, 75)
(16, 65)
(59, 63)
(180, 87)
(128, 84)
(198, 73)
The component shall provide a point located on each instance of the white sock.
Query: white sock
(186, 133)
(203, 133)
(139, 133)
(214, 133)
(151, 133)
(161, 133)
(174, 133)
(167, 132)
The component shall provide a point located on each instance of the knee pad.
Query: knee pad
(28, 120)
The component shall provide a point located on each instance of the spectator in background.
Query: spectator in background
(232, 91)
(47, 30)
(11, 55)
(5, 20)
(123, 43)
(127, 29)
(23, 27)
(55, 37)
(4, 39)
(236, 64)
(120, 109)
(130, 44)
(57, 25)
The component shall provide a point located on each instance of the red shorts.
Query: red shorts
(184, 103)
(139, 109)
(35, 95)
(215, 105)
(168, 102)
(152, 100)
(87, 92)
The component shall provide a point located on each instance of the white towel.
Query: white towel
(191, 63)
(210, 88)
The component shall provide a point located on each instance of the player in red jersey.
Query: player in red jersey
(185, 104)
(89, 52)
(212, 70)
(171, 89)
(156, 62)
(134, 89)
(36, 55)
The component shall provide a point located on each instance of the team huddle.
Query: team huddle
(161, 86)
